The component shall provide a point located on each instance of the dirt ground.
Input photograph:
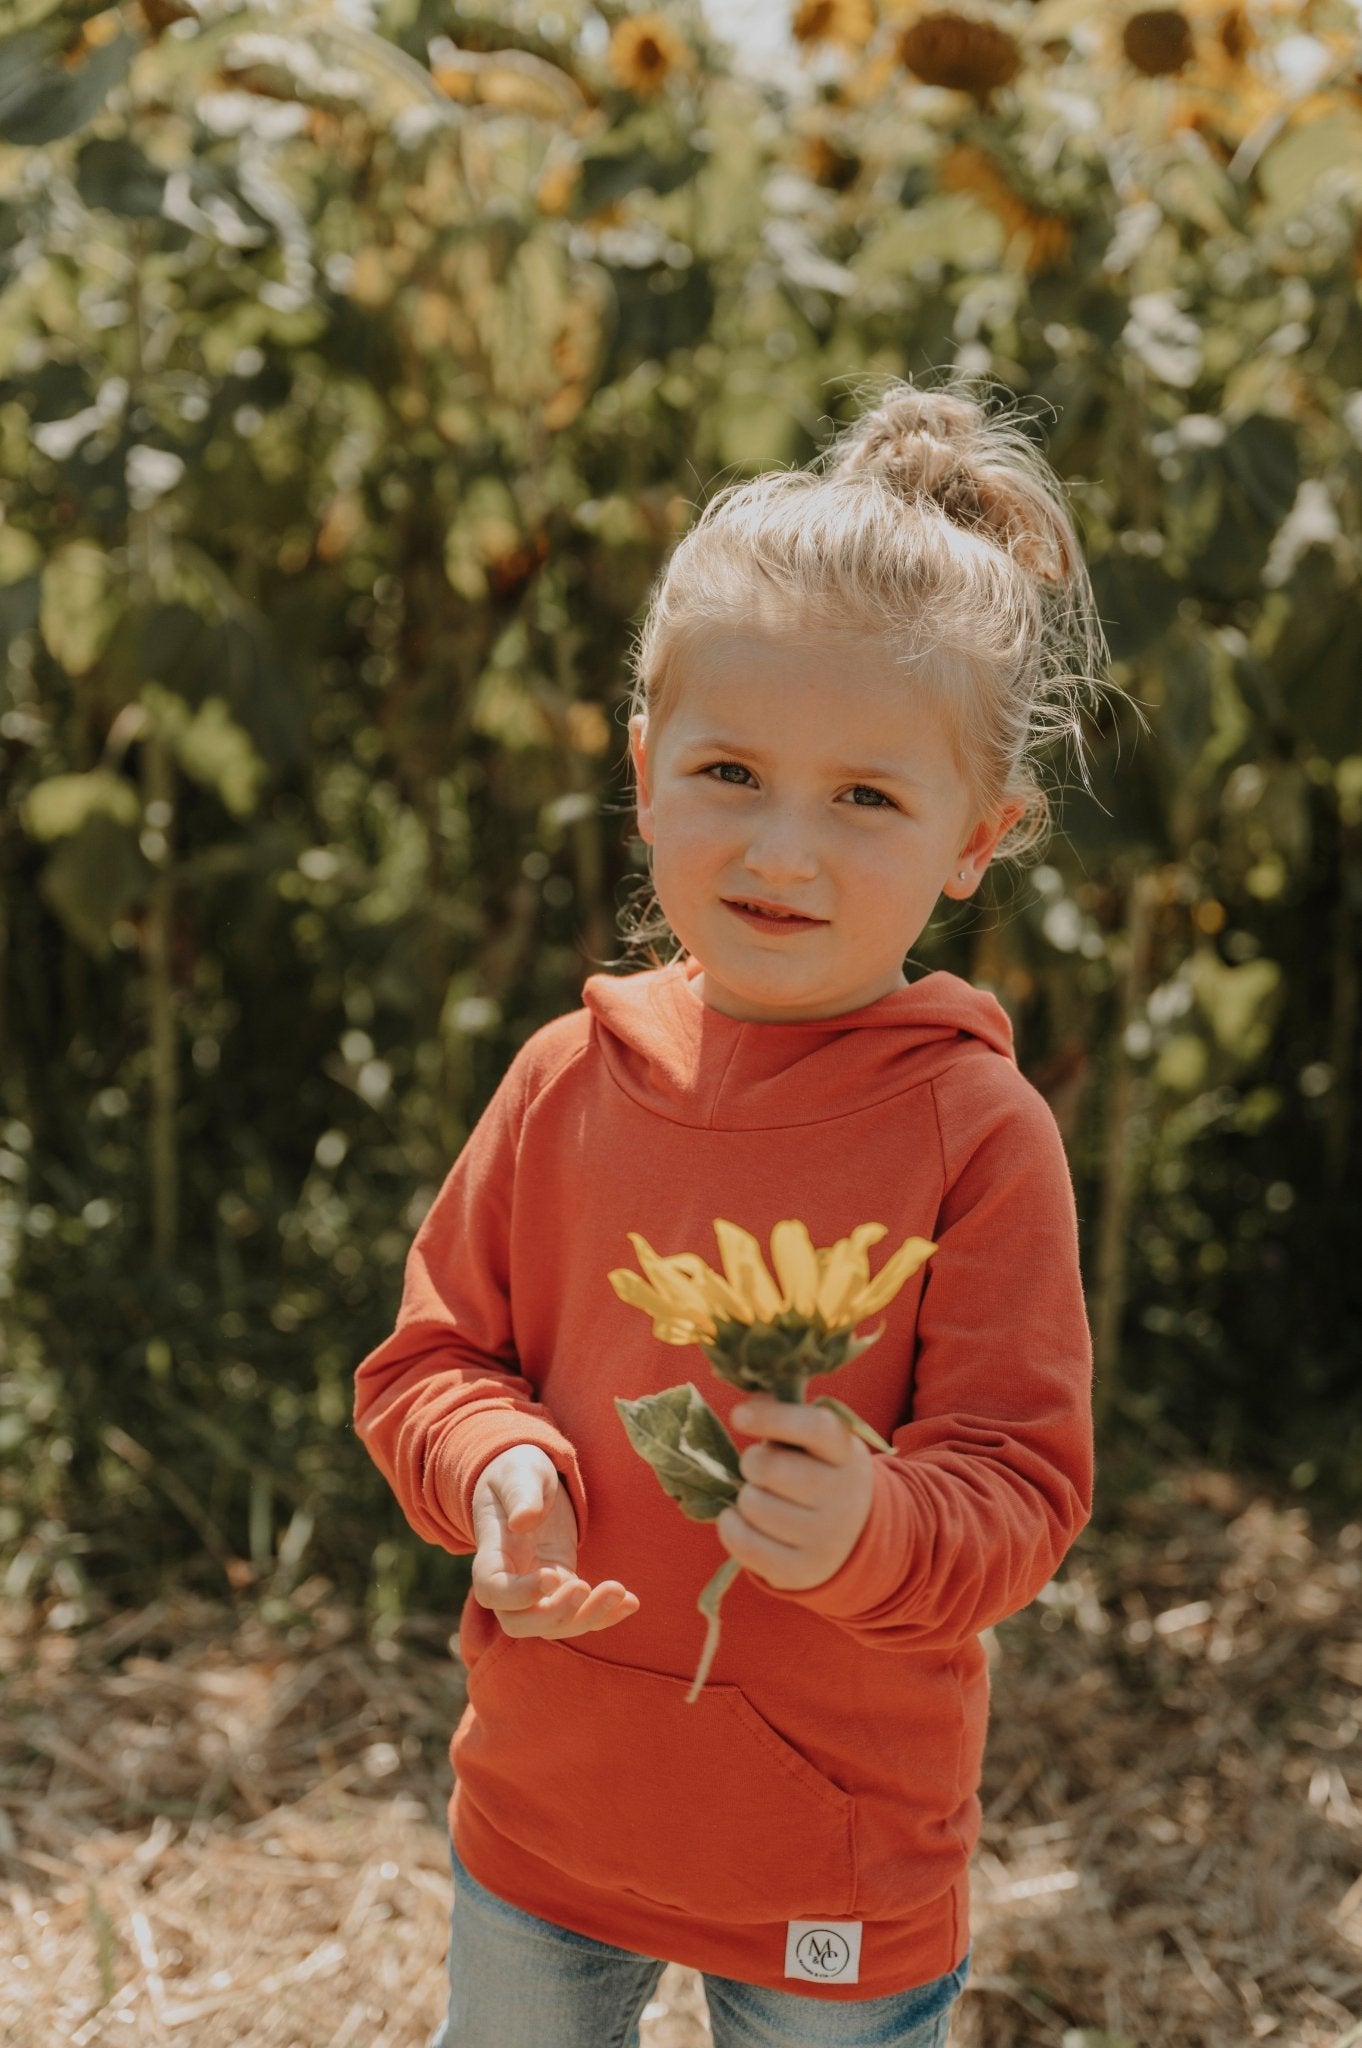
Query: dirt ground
(218, 1830)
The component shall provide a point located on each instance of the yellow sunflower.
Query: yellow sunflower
(1212, 68)
(826, 164)
(851, 23)
(1044, 238)
(687, 1299)
(643, 53)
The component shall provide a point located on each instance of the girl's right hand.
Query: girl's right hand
(524, 1569)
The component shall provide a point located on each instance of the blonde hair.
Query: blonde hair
(936, 526)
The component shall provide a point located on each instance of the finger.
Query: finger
(783, 1521)
(761, 1554)
(526, 1495)
(574, 1610)
(815, 1430)
(791, 1474)
(508, 1592)
(604, 1605)
(551, 1611)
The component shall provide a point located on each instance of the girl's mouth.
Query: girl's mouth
(763, 918)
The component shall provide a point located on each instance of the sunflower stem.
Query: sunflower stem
(708, 1604)
(857, 1424)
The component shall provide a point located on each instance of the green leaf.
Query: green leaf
(210, 746)
(56, 390)
(18, 610)
(1186, 716)
(1261, 454)
(112, 172)
(1310, 683)
(11, 236)
(949, 227)
(1240, 1002)
(95, 875)
(1299, 160)
(1230, 564)
(40, 100)
(20, 554)
(659, 310)
(63, 804)
(1137, 601)
(233, 659)
(77, 610)
(613, 173)
(25, 13)
(694, 1457)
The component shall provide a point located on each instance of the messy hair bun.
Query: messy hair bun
(934, 523)
(934, 446)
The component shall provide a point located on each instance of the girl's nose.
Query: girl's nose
(780, 851)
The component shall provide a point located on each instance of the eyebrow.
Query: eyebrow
(870, 771)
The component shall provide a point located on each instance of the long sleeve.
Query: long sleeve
(444, 1394)
(991, 1480)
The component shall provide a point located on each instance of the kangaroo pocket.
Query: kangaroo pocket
(604, 1771)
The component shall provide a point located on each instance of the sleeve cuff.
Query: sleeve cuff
(457, 1473)
(875, 1570)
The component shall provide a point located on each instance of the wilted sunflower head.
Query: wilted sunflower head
(1158, 41)
(644, 51)
(954, 50)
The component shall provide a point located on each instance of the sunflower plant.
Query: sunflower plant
(762, 1332)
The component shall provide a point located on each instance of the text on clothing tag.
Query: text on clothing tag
(824, 1951)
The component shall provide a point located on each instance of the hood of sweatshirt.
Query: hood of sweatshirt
(694, 1065)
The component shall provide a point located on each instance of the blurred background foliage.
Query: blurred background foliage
(358, 365)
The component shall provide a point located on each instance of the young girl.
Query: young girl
(843, 679)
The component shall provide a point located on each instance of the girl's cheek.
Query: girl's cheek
(689, 827)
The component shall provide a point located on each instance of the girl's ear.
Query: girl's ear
(977, 851)
(638, 754)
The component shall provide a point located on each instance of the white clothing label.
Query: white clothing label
(824, 1951)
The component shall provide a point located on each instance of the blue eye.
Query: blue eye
(716, 769)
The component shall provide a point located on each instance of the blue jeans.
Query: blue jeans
(519, 1982)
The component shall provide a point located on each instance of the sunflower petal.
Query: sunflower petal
(745, 1271)
(796, 1264)
(843, 1269)
(677, 1279)
(723, 1300)
(684, 1330)
(629, 1287)
(670, 1326)
(912, 1253)
(710, 1287)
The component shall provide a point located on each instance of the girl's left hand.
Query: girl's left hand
(807, 1495)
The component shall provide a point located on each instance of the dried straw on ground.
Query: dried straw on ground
(216, 1831)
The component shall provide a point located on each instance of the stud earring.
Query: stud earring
(961, 873)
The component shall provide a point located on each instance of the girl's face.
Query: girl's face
(805, 813)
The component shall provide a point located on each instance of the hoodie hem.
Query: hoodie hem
(896, 1956)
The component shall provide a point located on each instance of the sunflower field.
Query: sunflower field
(359, 363)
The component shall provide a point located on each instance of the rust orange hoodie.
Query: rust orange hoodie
(827, 1775)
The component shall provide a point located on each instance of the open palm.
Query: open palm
(525, 1566)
